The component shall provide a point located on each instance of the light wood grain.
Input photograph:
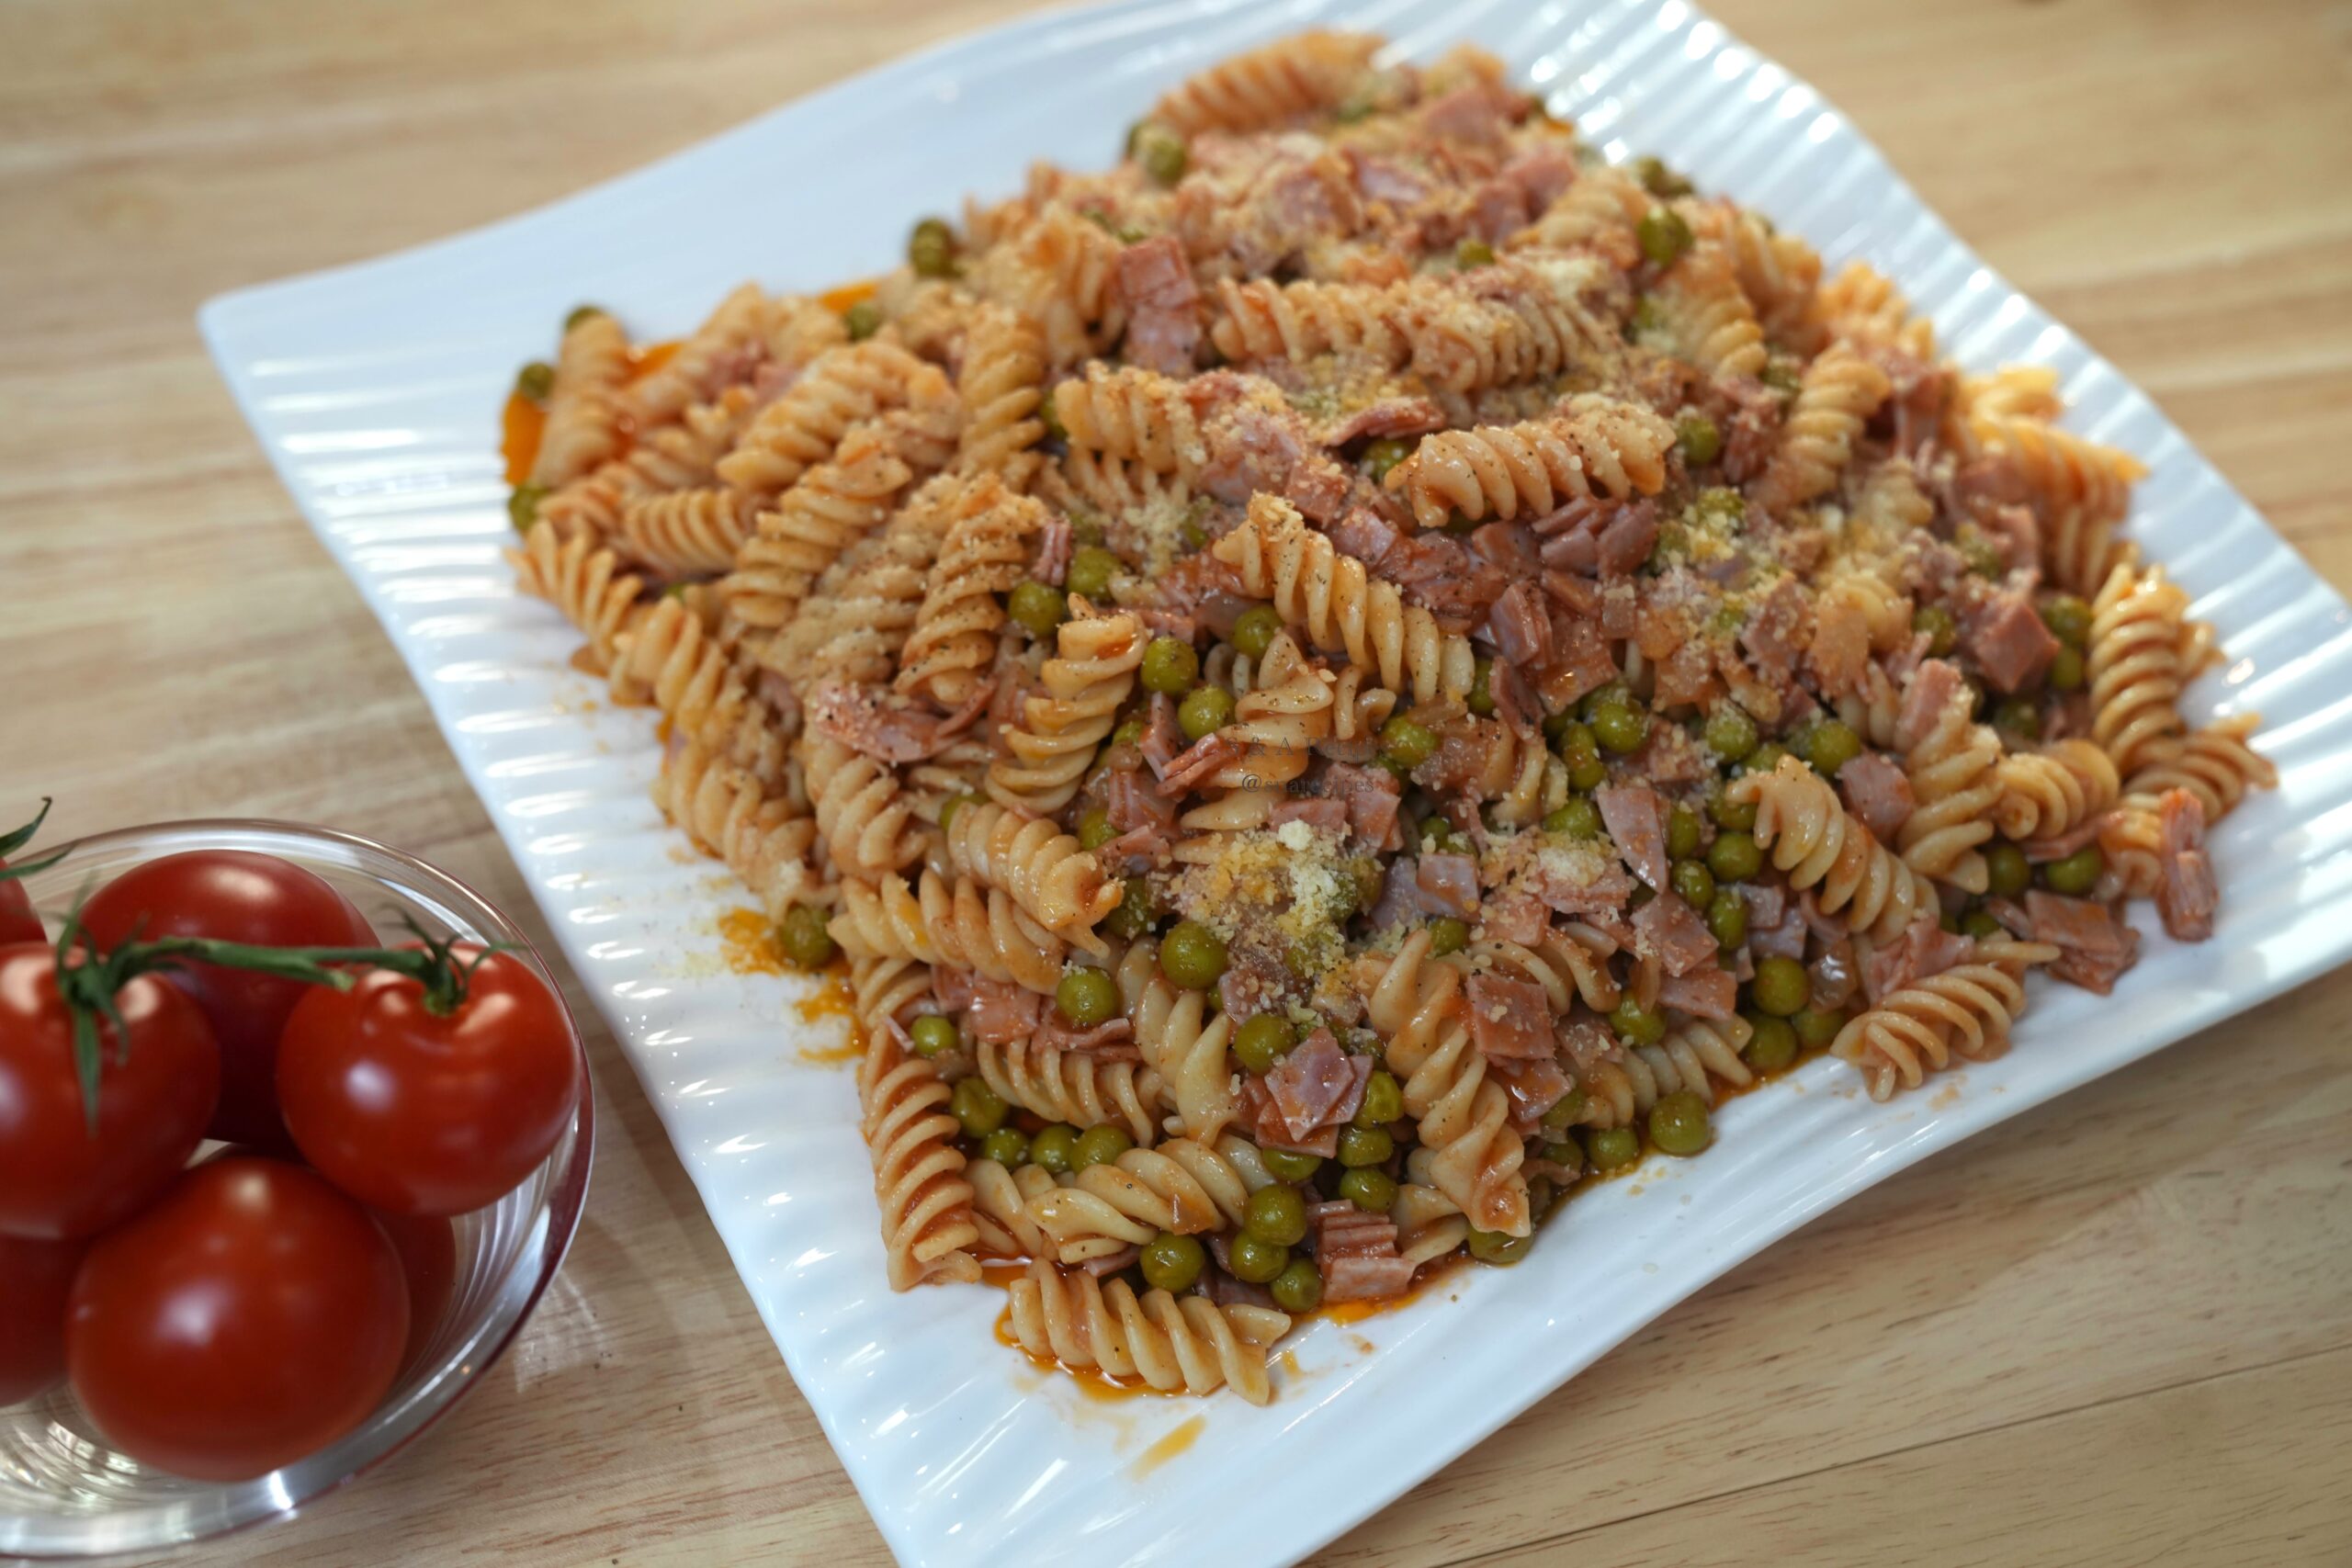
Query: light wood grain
(2115, 1330)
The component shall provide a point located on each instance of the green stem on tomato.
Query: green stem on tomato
(88, 986)
(11, 842)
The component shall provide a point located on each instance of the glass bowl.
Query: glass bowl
(64, 1490)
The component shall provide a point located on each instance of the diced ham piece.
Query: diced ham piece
(1625, 543)
(2095, 946)
(1541, 173)
(1675, 933)
(1108, 1041)
(1636, 818)
(1163, 318)
(1265, 1126)
(1535, 1084)
(1372, 795)
(2066, 843)
(1621, 610)
(2188, 896)
(1053, 551)
(1354, 1279)
(1320, 812)
(1139, 850)
(1509, 548)
(1318, 1085)
(1782, 937)
(1389, 416)
(1510, 1020)
(1379, 177)
(1477, 111)
(1163, 737)
(1712, 992)
(1668, 756)
(1002, 1013)
(1111, 1263)
(1521, 625)
(1878, 791)
(1930, 691)
(1516, 705)
(1254, 448)
(2008, 641)
(1356, 1252)
(887, 729)
(1597, 897)
(1203, 757)
(1771, 635)
(1131, 803)
(1767, 902)
(1514, 916)
(1448, 884)
(1834, 974)
(1580, 661)
(1923, 951)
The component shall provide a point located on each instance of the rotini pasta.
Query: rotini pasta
(1340, 677)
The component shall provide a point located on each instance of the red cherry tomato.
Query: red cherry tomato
(233, 896)
(428, 1248)
(419, 1114)
(156, 1090)
(251, 1316)
(17, 920)
(34, 1279)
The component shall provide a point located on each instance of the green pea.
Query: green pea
(1471, 252)
(1255, 1262)
(1055, 1148)
(1658, 179)
(1721, 500)
(1135, 913)
(1730, 733)
(1943, 632)
(1701, 439)
(1094, 828)
(2017, 718)
(978, 1107)
(1680, 1126)
(2009, 874)
(1733, 816)
(1781, 987)
(1091, 571)
(1783, 375)
(930, 249)
(1614, 1149)
(1647, 316)
(1383, 455)
(2077, 874)
(1664, 235)
(1087, 997)
(802, 935)
(1172, 1262)
(933, 1034)
(535, 380)
(1191, 956)
(1565, 1110)
(1636, 1024)
(1621, 729)
(1481, 700)
(2069, 620)
(1085, 528)
(1579, 819)
(1565, 1153)
(1727, 917)
(1129, 732)
(1288, 1165)
(1461, 525)
(1495, 1248)
(1765, 758)
(1366, 1146)
(1256, 629)
(1263, 1041)
(1614, 694)
(1204, 711)
(1037, 607)
(1981, 925)
(1773, 1045)
(1100, 1145)
(1384, 1099)
(523, 506)
(1830, 745)
(1683, 832)
(1007, 1146)
(581, 313)
(1580, 752)
(1298, 1287)
(1050, 416)
(1735, 857)
(1161, 151)
(1815, 1028)
(2066, 669)
(1276, 1215)
(863, 319)
(1448, 934)
(1169, 666)
(1407, 741)
(1368, 1187)
(1438, 837)
(1983, 555)
(1693, 884)
(1947, 921)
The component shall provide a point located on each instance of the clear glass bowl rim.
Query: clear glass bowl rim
(241, 1506)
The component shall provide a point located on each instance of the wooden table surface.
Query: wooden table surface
(2118, 1329)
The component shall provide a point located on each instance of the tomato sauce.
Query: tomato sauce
(1177, 1440)
(522, 424)
(1092, 1382)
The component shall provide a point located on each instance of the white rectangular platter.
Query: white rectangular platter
(375, 390)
